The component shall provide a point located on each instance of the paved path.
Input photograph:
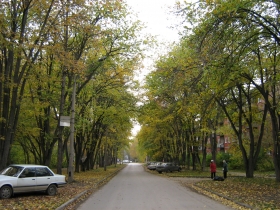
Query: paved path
(135, 189)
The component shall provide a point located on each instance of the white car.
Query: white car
(29, 178)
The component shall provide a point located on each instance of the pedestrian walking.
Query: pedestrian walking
(213, 169)
(225, 169)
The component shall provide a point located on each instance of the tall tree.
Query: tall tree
(79, 42)
(21, 43)
(246, 36)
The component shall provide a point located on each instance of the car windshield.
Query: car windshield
(11, 171)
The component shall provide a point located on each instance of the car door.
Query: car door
(170, 167)
(174, 167)
(167, 167)
(44, 178)
(26, 181)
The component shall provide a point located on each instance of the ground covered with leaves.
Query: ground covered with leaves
(85, 184)
(256, 193)
(262, 192)
(239, 192)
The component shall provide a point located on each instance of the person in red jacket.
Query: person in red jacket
(213, 169)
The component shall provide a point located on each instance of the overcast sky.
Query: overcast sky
(155, 14)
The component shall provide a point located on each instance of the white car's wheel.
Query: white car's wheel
(52, 189)
(6, 192)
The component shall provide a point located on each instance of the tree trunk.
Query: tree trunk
(188, 158)
(204, 152)
(276, 146)
(60, 128)
(213, 140)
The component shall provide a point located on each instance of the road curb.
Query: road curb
(95, 186)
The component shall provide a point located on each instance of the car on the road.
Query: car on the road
(21, 178)
(167, 167)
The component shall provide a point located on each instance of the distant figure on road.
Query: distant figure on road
(213, 169)
(225, 168)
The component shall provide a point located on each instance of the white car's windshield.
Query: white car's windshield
(11, 171)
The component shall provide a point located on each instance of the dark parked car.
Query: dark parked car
(29, 178)
(153, 165)
(167, 167)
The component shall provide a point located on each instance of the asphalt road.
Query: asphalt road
(135, 189)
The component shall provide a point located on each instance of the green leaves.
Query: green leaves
(221, 70)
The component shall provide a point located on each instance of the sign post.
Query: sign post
(64, 121)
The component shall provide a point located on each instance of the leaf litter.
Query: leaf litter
(237, 192)
(83, 182)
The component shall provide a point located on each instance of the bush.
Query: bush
(265, 162)
(17, 154)
(236, 159)
(222, 156)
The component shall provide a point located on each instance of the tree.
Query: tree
(105, 108)
(244, 37)
(22, 42)
(45, 46)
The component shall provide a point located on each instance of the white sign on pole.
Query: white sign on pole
(64, 121)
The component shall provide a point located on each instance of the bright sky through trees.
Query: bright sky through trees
(157, 16)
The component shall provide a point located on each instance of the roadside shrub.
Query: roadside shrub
(265, 162)
(236, 159)
(222, 156)
(208, 158)
(17, 155)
